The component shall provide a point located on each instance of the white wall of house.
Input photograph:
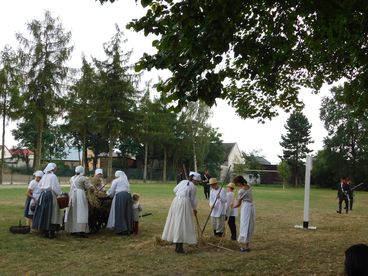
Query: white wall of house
(234, 157)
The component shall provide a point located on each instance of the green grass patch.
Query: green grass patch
(277, 248)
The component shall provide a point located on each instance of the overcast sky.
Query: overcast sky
(92, 24)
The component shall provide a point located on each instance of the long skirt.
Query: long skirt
(26, 207)
(47, 214)
(179, 227)
(76, 216)
(247, 222)
(121, 213)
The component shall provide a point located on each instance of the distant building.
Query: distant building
(232, 156)
(22, 157)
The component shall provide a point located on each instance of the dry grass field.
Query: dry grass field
(277, 249)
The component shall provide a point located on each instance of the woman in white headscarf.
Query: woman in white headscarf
(121, 212)
(47, 217)
(76, 216)
(96, 181)
(179, 227)
(33, 193)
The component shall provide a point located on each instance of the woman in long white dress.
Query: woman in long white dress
(121, 212)
(76, 216)
(247, 212)
(179, 227)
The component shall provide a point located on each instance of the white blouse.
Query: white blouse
(220, 207)
(118, 185)
(186, 188)
(50, 182)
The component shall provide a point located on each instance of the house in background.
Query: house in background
(22, 157)
(268, 173)
(232, 156)
(73, 158)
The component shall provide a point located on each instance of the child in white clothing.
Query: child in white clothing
(137, 209)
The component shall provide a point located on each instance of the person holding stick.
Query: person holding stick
(350, 192)
(342, 195)
(218, 206)
(247, 213)
(179, 227)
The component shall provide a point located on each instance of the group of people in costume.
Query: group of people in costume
(345, 194)
(179, 227)
(44, 213)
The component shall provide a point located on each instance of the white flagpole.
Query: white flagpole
(308, 168)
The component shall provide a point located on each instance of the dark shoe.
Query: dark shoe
(233, 238)
(244, 249)
(179, 248)
(338, 211)
(124, 233)
(52, 235)
(82, 235)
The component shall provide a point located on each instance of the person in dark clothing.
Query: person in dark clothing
(180, 176)
(206, 187)
(350, 192)
(342, 194)
(356, 260)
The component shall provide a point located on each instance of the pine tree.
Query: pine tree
(117, 95)
(10, 82)
(44, 56)
(295, 142)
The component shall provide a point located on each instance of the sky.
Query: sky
(92, 24)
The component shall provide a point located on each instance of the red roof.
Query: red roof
(18, 151)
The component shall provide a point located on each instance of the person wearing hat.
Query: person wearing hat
(121, 212)
(247, 214)
(33, 193)
(179, 227)
(96, 180)
(76, 216)
(218, 207)
(47, 217)
(231, 213)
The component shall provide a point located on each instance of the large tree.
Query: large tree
(346, 146)
(117, 96)
(255, 53)
(81, 107)
(44, 55)
(295, 142)
(10, 83)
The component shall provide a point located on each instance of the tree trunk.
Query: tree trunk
(194, 156)
(145, 162)
(84, 157)
(165, 163)
(38, 150)
(26, 158)
(109, 161)
(95, 160)
(3, 144)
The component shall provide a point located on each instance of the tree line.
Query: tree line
(345, 148)
(98, 106)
